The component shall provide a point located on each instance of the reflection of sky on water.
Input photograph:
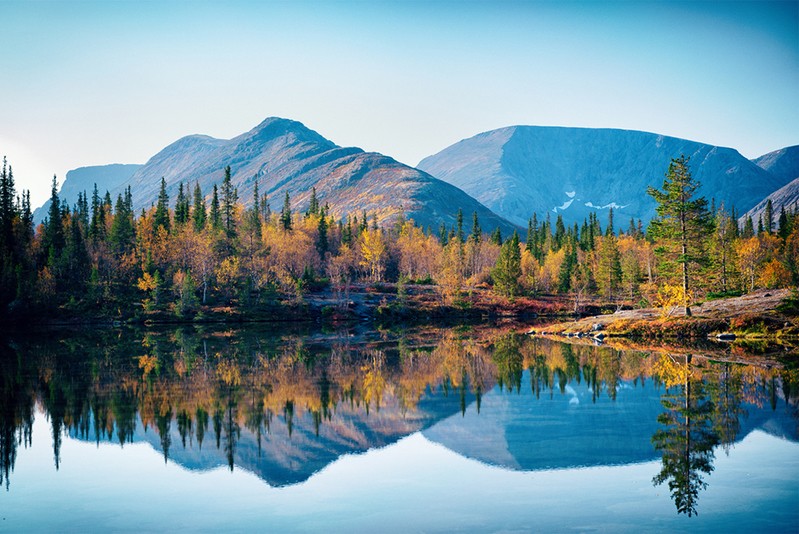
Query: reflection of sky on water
(411, 485)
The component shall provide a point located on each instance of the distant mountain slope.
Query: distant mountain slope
(521, 170)
(107, 177)
(783, 163)
(575, 428)
(285, 156)
(786, 197)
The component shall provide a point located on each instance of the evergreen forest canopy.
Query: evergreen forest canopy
(206, 249)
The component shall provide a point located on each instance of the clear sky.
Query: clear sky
(89, 83)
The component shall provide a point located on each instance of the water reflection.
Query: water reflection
(285, 406)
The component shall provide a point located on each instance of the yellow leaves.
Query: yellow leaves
(228, 372)
(148, 364)
(146, 283)
(373, 252)
(774, 274)
(670, 371)
(671, 296)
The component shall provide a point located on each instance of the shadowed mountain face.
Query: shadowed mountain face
(284, 156)
(107, 177)
(521, 170)
(784, 164)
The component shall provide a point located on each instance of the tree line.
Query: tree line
(206, 248)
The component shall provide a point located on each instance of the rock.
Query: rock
(599, 337)
(726, 336)
(596, 327)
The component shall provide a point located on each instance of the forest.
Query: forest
(206, 250)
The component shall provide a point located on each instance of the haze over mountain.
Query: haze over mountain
(107, 177)
(521, 170)
(284, 156)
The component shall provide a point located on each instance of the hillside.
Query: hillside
(285, 156)
(786, 197)
(784, 164)
(521, 170)
(82, 180)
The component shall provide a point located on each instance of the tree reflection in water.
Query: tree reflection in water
(688, 436)
(312, 398)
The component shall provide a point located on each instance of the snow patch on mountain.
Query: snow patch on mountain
(613, 205)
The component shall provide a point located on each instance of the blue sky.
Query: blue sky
(87, 83)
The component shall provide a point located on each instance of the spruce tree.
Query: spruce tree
(229, 199)
(198, 208)
(508, 268)
(216, 214)
(768, 217)
(477, 233)
(682, 222)
(161, 217)
(181, 207)
(285, 213)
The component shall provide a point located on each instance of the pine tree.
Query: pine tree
(7, 211)
(749, 228)
(53, 238)
(161, 217)
(496, 236)
(97, 227)
(285, 213)
(682, 223)
(216, 214)
(508, 268)
(313, 208)
(229, 199)
(321, 236)
(198, 208)
(181, 207)
(122, 235)
(459, 226)
(768, 217)
(477, 233)
(784, 229)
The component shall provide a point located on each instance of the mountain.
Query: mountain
(576, 427)
(282, 456)
(285, 156)
(783, 163)
(786, 197)
(521, 170)
(82, 180)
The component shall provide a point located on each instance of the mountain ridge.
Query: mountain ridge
(285, 156)
(520, 170)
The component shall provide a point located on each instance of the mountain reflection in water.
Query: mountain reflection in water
(285, 406)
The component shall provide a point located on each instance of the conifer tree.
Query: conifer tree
(181, 207)
(477, 233)
(508, 268)
(198, 208)
(216, 214)
(229, 199)
(459, 226)
(682, 222)
(53, 238)
(768, 217)
(161, 217)
(749, 228)
(285, 213)
(7, 212)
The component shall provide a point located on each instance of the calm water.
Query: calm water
(430, 430)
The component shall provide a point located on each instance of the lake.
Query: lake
(425, 430)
